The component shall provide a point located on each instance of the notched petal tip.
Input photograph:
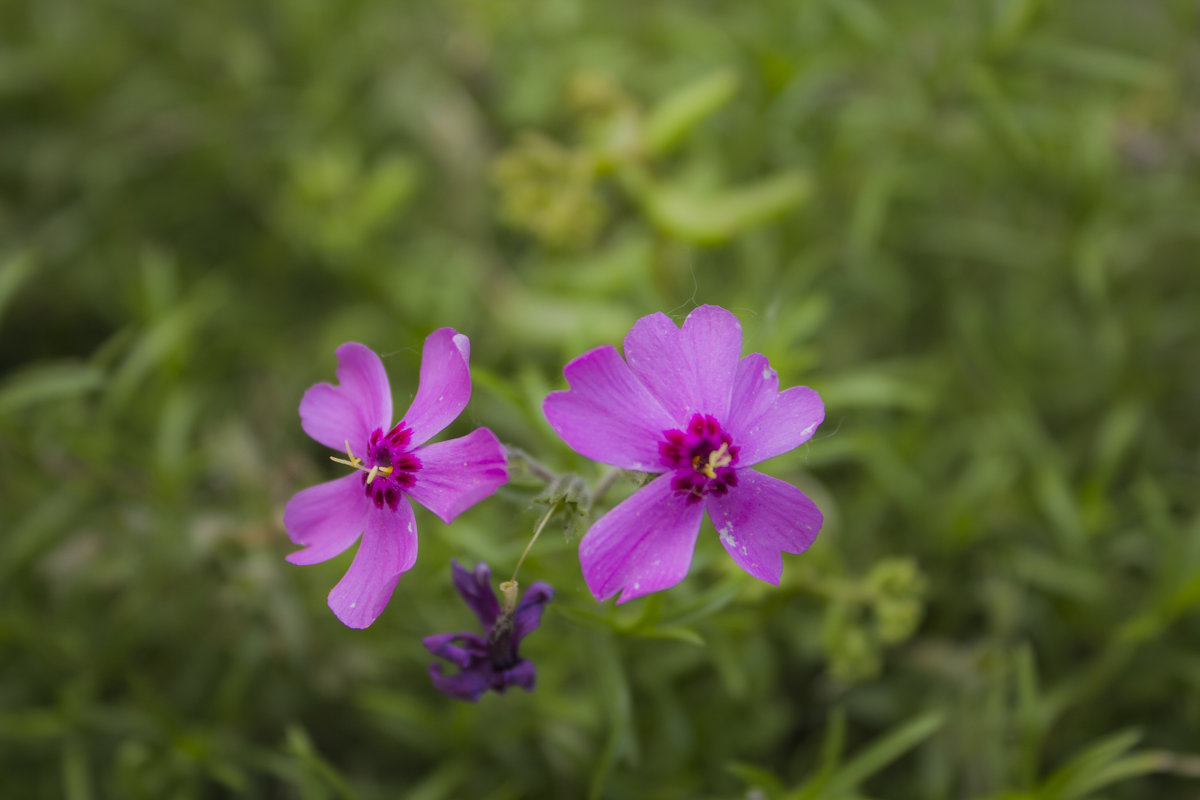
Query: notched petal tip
(350, 353)
(362, 377)
(608, 415)
(687, 370)
(714, 315)
(360, 402)
(445, 385)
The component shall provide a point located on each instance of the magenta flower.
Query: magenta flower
(489, 661)
(391, 464)
(686, 405)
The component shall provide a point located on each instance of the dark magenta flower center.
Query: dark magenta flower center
(388, 466)
(703, 458)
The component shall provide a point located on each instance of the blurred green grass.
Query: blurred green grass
(972, 227)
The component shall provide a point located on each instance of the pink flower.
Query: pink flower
(686, 405)
(391, 464)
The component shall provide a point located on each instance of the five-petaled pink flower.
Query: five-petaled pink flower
(685, 404)
(391, 464)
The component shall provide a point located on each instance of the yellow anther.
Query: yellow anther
(716, 459)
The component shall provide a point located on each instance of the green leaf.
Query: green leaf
(613, 695)
(880, 387)
(77, 782)
(301, 746)
(440, 782)
(832, 747)
(1131, 766)
(756, 777)
(999, 112)
(586, 618)
(14, 271)
(714, 217)
(1099, 64)
(883, 752)
(1075, 778)
(679, 112)
(678, 633)
(706, 604)
(1031, 720)
(168, 336)
(48, 381)
(1011, 20)
(862, 19)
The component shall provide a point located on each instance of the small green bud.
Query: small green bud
(549, 191)
(897, 620)
(896, 587)
(896, 577)
(854, 658)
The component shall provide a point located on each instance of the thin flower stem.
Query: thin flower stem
(536, 533)
(538, 470)
(605, 483)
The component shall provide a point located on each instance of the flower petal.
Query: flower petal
(762, 517)
(326, 519)
(444, 645)
(524, 674)
(458, 473)
(688, 370)
(755, 387)
(476, 589)
(388, 549)
(445, 385)
(607, 414)
(765, 422)
(643, 545)
(468, 684)
(529, 611)
(360, 403)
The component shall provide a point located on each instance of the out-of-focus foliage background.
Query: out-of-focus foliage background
(973, 227)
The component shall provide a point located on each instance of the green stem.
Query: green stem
(536, 469)
(605, 483)
(536, 533)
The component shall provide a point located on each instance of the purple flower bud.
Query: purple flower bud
(490, 661)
